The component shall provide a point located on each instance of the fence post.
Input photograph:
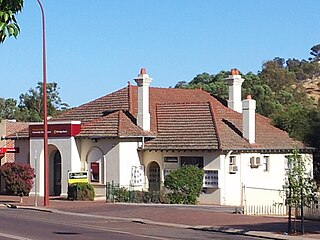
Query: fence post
(107, 191)
(112, 191)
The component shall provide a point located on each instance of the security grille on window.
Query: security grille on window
(210, 179)
(194, 161)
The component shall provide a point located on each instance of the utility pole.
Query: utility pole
(45, 123)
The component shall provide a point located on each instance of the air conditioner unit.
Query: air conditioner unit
(233, 168)
(255, 162)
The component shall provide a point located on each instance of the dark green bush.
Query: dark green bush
(184, 185)
(121, 194)
(81, 192)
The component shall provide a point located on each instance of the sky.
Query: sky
(96, 47)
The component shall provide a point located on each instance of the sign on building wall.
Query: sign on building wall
(78, 177)
(137, 175)
(55, 130)
(210, 179)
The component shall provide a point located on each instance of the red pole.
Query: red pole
(45, 123)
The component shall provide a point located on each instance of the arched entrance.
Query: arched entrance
(55, 171)
(154, 176)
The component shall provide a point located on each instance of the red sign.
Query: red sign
(9, 150)
(55, 130)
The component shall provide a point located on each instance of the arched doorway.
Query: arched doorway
(54, 171)
(57, 173)
(154, 176)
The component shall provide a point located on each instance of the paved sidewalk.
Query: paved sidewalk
(210, 218)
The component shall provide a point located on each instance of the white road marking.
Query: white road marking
(13, 236)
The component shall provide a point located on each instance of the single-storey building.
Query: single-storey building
(138, 134)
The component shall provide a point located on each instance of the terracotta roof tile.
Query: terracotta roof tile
(115, 124)
(184, 126)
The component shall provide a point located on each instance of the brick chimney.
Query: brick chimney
(234, 82)
(143, 81)
(249, 119)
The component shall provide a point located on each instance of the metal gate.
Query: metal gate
(263, 201)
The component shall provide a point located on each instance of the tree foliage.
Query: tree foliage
(8, 108)
(30, 107)
(8, 22)
(18, 178)
(315, 53)
(184, 185)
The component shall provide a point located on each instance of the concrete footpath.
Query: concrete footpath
(205, 218)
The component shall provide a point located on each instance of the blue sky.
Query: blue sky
(96, 47)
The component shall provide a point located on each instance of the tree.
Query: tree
(8, 23)
(276, 76)
(31, 103)
(315, 52)
(8, 108)
(299, 187)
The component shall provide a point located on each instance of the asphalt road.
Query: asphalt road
(22, 224)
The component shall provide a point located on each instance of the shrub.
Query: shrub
(121, 194)
(81, 192)
(184, 185)
(18, 178)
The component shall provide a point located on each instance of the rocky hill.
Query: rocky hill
(313, 88)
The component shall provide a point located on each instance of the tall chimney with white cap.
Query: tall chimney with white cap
(234, 82)
(143, 81)
(249, 119)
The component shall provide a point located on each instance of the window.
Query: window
(95, 165)
(266, 163)
(210, 179)
(95, 171)
(194, 161)
(171, 159)
(232, 160)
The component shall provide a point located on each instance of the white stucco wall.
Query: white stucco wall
(261, 186)
(70, 161)
(129, 158)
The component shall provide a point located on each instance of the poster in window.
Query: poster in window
(137, 175)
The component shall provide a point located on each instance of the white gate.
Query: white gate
(263, 201)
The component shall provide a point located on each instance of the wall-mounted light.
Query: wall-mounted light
(94, 140)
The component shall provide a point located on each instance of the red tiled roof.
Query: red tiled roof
(17, 129)
(184, 126)
(180, 119)
(114, 124)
